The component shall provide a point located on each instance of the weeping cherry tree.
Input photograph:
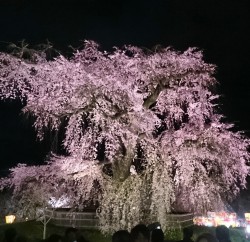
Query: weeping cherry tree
(142, 133)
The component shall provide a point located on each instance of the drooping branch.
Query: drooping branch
(164, 84)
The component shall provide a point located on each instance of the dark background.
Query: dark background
(219, 27)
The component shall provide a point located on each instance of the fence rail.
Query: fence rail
(180, 220)
(73, 219)
(90, 220)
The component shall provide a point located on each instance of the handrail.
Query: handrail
(71, 218)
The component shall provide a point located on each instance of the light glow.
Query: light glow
(9, 219)
(248, 228)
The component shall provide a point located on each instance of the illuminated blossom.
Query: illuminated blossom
(152, 115)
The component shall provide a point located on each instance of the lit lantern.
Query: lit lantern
(247, 217)
(9, 219)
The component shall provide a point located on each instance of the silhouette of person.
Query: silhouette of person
(157, 235)
(206, 237)
(121, 236)
(222, 233)
(140, 233)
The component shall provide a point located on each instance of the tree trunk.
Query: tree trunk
(121, 168)
(121, 165)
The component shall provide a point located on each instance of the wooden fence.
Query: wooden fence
(73, 219)
(90, 220)
(180, 220)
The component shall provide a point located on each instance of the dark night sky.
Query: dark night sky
(219, 27)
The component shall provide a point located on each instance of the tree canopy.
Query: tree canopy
(142, 134)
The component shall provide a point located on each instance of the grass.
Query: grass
(33, 230)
